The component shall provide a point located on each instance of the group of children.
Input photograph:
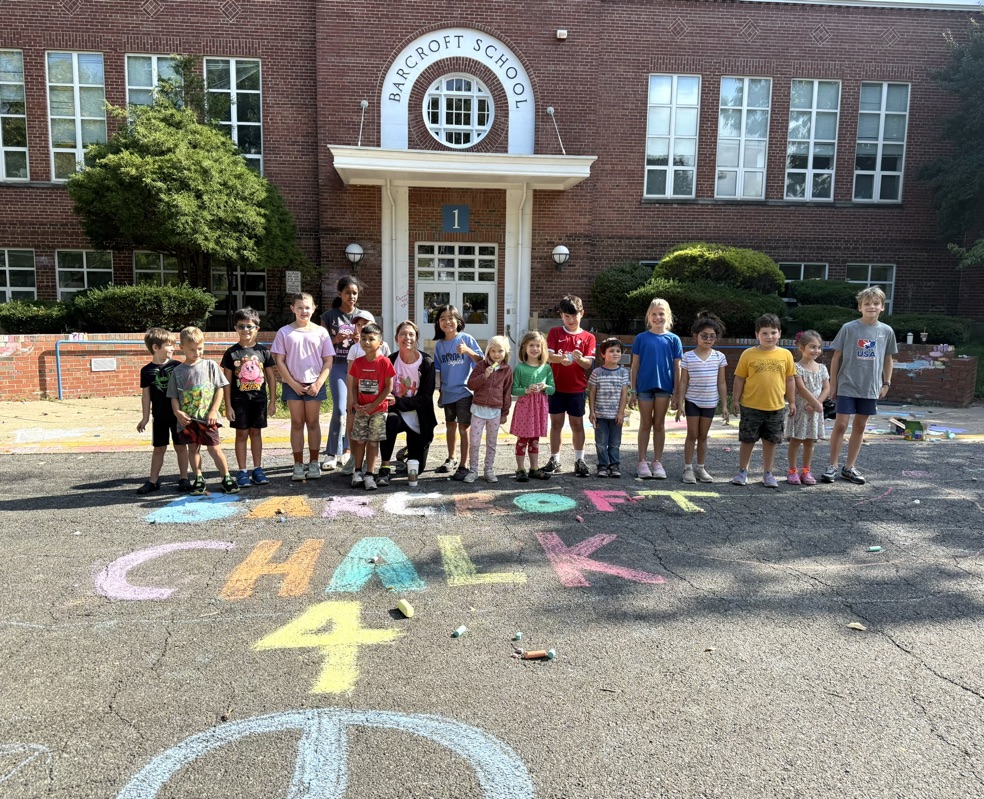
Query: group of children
(555, 381)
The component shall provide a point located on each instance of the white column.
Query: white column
(395, 256)
(516, 277)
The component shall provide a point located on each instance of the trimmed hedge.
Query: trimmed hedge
(610, 294)
(824, 292)
(942, 329)
(132, 309)
(34, 317)
(714, 263)
(737, 308)
(825, 319)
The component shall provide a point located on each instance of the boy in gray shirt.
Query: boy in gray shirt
(860, 375)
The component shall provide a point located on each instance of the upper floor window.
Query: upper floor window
(458, 111)
(875, 275)
(879, 157)
(13, 117)
(743, 137)
(79, 270)
(812, 143)
(76, 108)
(17, 276)
(155, 268)
(671, 135)
(235, 102)
(144, 72)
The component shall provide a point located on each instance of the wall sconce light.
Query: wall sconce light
(354, 253)
(561, 255)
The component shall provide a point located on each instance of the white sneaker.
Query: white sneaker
(314, 471)
(688, 475)
(329, 464)
(370, 482)
(702, 474)
(349, 467)
(471, 477)
(357, 479)
(658, 471)
(642, 470)
(299, 472)
(490, 476)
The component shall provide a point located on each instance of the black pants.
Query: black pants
(418, 444)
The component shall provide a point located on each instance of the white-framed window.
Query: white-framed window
(13, 117)
(79, 270)
(76, 108)
(155, 268)
(17, 276)
(671, 135)
(795, 270)
(247, 288)
(743, 137)
(457, 262)
(874, 275)
(144, 72)
(235, 101)
(811, 147)
(882, 121)
(458, 111)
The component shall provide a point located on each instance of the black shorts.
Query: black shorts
(250, 414)
(756, 424)
(571, 403)
(689, 409)
(164, 430)
(459, 411)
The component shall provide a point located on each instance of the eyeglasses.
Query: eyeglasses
(707, 337)
(245, 327)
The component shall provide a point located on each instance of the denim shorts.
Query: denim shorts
(654, 394)
(287, 394)
(858, 405)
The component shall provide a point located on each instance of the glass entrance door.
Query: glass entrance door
(463, 275)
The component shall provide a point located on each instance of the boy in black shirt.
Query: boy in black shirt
(154, 378)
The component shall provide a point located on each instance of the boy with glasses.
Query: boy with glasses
(251, 371)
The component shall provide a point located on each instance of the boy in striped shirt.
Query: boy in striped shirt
(608, 394)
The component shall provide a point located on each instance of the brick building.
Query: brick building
(459, 147)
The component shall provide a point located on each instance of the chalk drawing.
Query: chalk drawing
(393, 566)
(544, 503)
(461, 571)
(27, 753)
(32, 435)
(907, 473)
(680, 498)
(398, 503)
(289, 506)
(606, 501)
(570, 562)
(479, 502)
(321, 769)
(112, 581)
(354, 505)
(340, 646)
(192, 510)
(297, 569)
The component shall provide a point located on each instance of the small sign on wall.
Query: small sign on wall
(292, 282)
(102, 364)
(456, 219)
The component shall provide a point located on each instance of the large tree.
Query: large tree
(957, 179)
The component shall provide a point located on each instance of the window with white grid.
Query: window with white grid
(13, 117)
(457, 262)
(671, 135)
(458, 111)
(235, 103)
(882, 121)
(794, 270)
(76, 108)
(743, 137)
(874, 275)
(811, 147)
(79, 270)
(245, 288)
(17, 275)
(144, 72)
(155, 268)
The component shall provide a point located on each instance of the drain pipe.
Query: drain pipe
(389, 193)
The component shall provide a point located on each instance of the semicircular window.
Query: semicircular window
(458, 111)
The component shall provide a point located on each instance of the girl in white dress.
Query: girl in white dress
(813, 387)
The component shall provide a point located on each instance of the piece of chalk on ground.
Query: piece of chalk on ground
(518, 636)
(874, 549)
(459, 632)
(405, 608)
(540, 654)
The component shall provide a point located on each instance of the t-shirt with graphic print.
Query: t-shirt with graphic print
(455, 367)
(765, 373)
(194, 387)
(248, 366)
(156, 377)
(370, 379)
(863, 349)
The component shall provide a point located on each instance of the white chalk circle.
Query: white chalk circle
(321, 769)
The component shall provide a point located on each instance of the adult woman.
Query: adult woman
(411, 407)
(341, 326)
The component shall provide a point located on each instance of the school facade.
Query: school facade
(464, 150)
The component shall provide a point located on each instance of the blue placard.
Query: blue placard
(456, 219)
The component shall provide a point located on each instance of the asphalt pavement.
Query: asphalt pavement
(709, 640)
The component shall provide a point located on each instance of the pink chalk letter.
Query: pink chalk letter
(569, 562)
(606, 500)
(112, 581)
(353, 505)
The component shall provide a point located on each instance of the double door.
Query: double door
(462, 275)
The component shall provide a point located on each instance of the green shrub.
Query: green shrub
(737, 308)
(825, 319)
(610, 295)
(824, 292)
(941, 329)
(28, 317)
(132, 309)
(714, 263)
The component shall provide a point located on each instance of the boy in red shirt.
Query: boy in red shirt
(370, 382)
(571, 357)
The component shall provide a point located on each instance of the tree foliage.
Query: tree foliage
(957, 179)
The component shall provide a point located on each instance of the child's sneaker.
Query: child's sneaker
(642, 471)
(830, 473)
(259, 477)
(357, 479)
(659, 473)
(539, 474)
(198, 487)
(769, 480)
(448, 467)
(349, 467)
(522, 476)
(329, 464)
(184, 485)
(702, 474)
(490, 476)
(313, 471)
(808, 479)
(242, 478)
(553, 466)
(614, 471)
(852, 475)
(470, 476)
(369, 481)
(298, 474)
(602, 471)
(149, 487)
(793, 478)
(688, 475)
(740, 479)
(229, 485)
(581, 468)
(383, 478)
(460, 474)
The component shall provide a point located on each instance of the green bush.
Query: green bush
(34, 316)
(941, 329)
(610, 295)
(737, 308)
(714, 263)
(132, 309)
(825, 319)
(824, 292)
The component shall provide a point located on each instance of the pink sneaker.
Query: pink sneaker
(793, 479)
(808, 479)
(642, 471)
